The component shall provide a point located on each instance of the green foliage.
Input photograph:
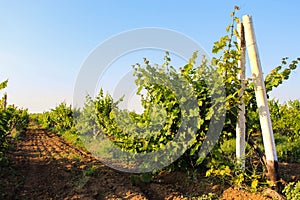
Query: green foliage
(292, 191)
(3, 84)
(141, 178)
(13, 121)
(285, 117)
(280, 73)
(85, 119)
(36, 119)
(227, 66)
(45, 120)
(224, 168)
(19, 119)
(90, 171)
(287, 148)
(209, 196)
(72, 137)
(169, 105)
(61, 118)
(162, 117)
(162, 105)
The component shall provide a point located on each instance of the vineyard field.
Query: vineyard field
(45, 166)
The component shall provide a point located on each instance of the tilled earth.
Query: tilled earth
(44, 166)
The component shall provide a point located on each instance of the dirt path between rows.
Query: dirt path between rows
(44, 166)
(47, 167)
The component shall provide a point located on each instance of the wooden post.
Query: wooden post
(262, 103)
(5, 101)
(241, 123)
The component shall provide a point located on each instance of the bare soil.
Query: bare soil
(44, 166)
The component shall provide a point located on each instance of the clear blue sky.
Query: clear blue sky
(44, 43)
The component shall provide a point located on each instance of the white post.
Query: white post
(241, 123)
(262, 103)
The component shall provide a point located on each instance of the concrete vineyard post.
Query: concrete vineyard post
(262, 103)
(241, 123)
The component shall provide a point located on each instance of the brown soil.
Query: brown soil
(43, 166)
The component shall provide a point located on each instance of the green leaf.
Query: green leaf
(3, 84)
